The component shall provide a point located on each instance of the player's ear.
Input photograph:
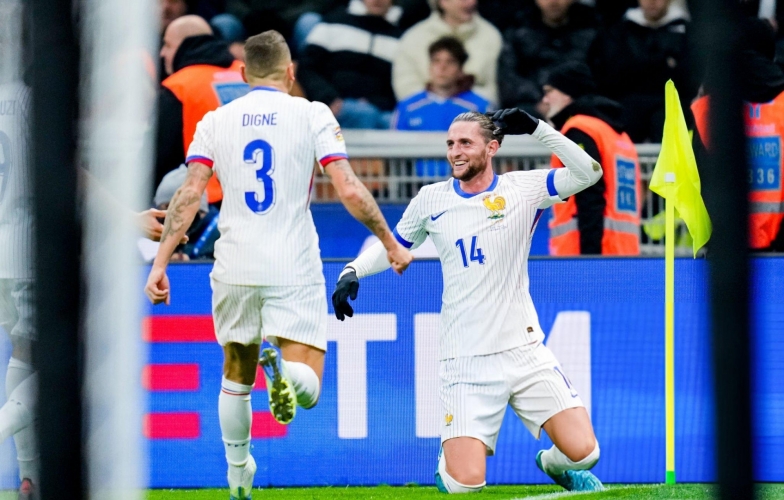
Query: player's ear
(290, 72)
(242, 71)
(492, 147)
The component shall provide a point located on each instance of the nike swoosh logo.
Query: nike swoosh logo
(434, 217)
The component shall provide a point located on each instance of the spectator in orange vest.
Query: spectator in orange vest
(203, 75)
(605, 218)
(762, 89)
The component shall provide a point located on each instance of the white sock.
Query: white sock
(452, 485)
(235, 416)
(306, 383)
(556, 463)
(26, 447)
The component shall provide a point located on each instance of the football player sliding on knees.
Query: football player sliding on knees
(491, 350)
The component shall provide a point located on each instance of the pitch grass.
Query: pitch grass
(646, 492)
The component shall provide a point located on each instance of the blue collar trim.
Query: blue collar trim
(261, 87)
(459, 191)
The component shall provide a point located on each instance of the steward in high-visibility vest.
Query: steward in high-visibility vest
(764, 123)
(206, 76)
(605, 218)
(762, 89)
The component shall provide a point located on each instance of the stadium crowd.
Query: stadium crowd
(416, 64)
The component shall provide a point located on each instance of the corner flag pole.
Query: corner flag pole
(669, 326)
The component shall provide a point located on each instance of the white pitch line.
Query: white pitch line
(564, 494)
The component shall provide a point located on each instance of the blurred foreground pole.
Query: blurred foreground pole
(717, 44)
(55, 68)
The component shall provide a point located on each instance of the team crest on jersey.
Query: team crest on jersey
(496, 204)
(338, 134)
(448, 419)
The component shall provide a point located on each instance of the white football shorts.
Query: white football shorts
(475, 391)
(249, 314)
(17, 308)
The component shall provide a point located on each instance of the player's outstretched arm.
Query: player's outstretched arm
(360, 203)
(581, 170)
(182, 209)
(371, 261)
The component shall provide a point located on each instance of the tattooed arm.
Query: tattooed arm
(360, 203)
(179, 216)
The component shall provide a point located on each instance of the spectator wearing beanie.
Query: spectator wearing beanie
(605, 218)
(552, 32)
(458, 19)
(633, 60)
(448, 93)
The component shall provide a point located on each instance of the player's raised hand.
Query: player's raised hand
(157, 288)
(151, 227)
(347, 286)
(399, 257)
(513, 121)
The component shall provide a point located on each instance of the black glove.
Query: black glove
(513, 121)
(347, 286)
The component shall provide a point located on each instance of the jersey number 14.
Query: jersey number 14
(476, 254)
(265, 166)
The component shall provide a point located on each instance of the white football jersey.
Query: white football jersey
(16, 201)
(483, 241)
(262, 147)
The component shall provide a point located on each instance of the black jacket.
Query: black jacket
(531, 50)
(351, 70)
(590, 202)
(631, 59)
(204, 49)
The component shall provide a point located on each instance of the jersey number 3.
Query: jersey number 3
(260, 154)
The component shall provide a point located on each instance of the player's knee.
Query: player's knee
(464, 479)
(239, 363)
(468, 476)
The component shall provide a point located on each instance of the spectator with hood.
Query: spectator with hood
(605, 218)
(553, 32)
(634, 58)
(762, 89)
(203, 75)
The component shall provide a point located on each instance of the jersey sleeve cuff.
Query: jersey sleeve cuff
(199, 159)
(551, 191)
(332, 157)
(402, 240)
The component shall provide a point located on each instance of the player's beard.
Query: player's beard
(475, 167)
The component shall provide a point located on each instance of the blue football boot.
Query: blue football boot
(573, 480)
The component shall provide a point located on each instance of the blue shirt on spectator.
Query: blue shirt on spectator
(426, 111)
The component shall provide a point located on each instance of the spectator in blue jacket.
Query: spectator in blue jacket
(448, 93)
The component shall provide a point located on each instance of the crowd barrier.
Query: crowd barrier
(379, 416)
(395, 165)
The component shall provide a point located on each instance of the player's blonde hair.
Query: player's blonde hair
(486, 125)
(267, 55)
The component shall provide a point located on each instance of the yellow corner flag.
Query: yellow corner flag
(677, 158)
